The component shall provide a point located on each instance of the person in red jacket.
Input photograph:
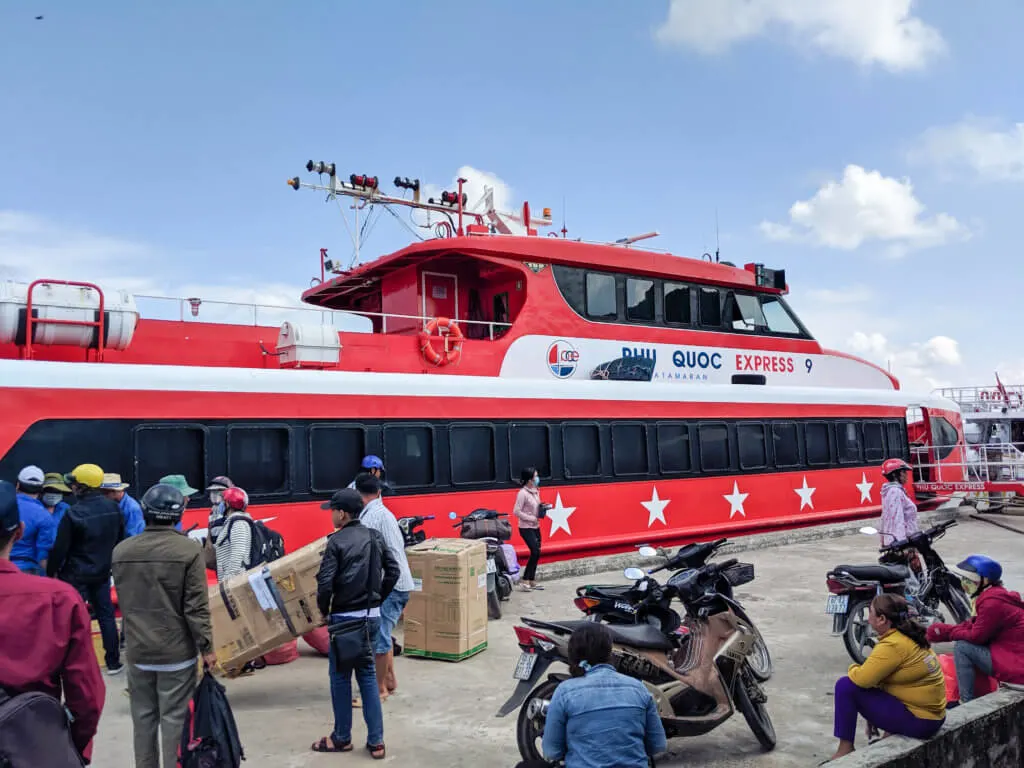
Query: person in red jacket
(993, 640)
(59, 660)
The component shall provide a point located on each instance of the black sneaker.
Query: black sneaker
(115, 670)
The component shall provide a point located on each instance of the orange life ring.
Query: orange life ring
(449, 334)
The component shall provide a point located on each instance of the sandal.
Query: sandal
(327, 744)
(377, 751)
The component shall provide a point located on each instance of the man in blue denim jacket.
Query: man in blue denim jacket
(602, 719)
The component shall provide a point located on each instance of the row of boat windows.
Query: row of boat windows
(296, 458)
(617, 298)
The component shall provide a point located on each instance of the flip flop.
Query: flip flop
(377, 751)
(326, 744)
(357, 703)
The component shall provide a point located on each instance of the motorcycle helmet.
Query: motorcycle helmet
(977, 567)
(891, 466)
(163, 504)
(372, 462)
(235, 499)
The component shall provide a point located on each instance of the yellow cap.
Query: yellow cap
(88, 475)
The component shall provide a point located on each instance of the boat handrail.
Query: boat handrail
(986, 399)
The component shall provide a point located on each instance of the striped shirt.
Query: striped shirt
(233, 551)
(375, 515)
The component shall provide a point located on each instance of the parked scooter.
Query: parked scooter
(410, 527)
(853, 587)
(626, 603)
(491, 527)
(698, 673)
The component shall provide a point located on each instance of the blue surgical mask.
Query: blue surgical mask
(536, 481)
(52, 499)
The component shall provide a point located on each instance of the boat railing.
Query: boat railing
(985, 399)
(982, 468)
(196, 310)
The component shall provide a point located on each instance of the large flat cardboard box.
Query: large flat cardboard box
(257, 611)
(446, 617)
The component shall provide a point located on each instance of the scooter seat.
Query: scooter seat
(640, 636)
(610, 590)
(884, 574)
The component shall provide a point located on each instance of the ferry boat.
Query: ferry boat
(661, 398)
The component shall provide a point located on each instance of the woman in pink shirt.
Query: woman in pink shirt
(528, 510)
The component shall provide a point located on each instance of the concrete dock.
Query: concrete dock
(443, 714)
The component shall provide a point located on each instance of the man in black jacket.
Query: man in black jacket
(356, 574)
(84, 548)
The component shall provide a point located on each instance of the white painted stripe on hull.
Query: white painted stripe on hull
(35, 374)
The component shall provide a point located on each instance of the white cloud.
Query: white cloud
(978, 146)
(869, 32)
(865, 206)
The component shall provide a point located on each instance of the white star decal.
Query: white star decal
(736, 500)
(655, 508)
(805, 495)
(559, 516)
(865, 488)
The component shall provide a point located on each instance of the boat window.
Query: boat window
(848, 444)
(335, 455)
(745, 312)
(896, 434)
(165, 450)
(673, 448)
(582, 447)
(944, 437)
(258, 459)
(753, 453)
(601, 303)
(874, 445)
(677, 303)
(529, 446)
(409, 455)
(640, 300)
(714, 447)
(710, 307)
(629, 449)
(472, 453)
(786, 444)
(817, 442)
(778, 317)
(570, 282)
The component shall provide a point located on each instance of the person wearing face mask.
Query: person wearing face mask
(54, 491)
(528, 510)
(218, 514)
(991, 641)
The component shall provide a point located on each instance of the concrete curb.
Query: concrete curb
(591, 565)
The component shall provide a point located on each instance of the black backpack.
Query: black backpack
(34, 732)
(210, 736)
(267, 545)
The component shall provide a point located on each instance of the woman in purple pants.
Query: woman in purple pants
(899, 688)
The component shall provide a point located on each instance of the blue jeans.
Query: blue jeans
(341, 691)
(969, 658)
(98, 596)
(390, 611)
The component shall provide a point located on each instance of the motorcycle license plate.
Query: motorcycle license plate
(492, 567)
(837, 603)
(525, 665)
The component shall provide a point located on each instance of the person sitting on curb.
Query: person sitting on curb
(899, 688)
(993, 640)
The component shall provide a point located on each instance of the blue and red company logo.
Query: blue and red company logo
(562, 359)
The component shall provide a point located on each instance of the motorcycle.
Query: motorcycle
(621, 603)
(493, 528)
(853, 587)
(698, 673)
(409, 526)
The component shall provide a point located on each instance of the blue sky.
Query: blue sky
(149, 145)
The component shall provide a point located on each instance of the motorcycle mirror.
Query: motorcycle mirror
(648, 551)
(635, 574)
(867, 530)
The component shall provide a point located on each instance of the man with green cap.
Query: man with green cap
(179, 482)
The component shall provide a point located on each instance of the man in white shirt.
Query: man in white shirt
(375, 515)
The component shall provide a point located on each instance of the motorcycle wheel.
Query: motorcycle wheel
(759, 660)
(493, 605)
(529, 730)
(859, 638)
(504, 587)
(754, 712)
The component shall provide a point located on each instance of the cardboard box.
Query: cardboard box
(255, 612)
(446, 617)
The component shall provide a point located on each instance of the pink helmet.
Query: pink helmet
(894, 465)
(235, 498)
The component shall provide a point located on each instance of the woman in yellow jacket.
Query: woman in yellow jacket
(899, 688)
